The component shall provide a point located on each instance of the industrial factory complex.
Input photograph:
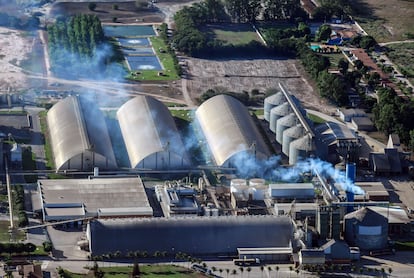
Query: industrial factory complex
(243, 199)
(274, 188)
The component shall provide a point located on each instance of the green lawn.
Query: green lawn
(315, 119)
(185, 115)
(48, 147)
(148, 271)
(257, 112)
(236, 34)
(169, 72)
(334, 58)
(4, 232)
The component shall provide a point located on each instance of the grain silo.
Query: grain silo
(301, 148)
(291, 134)
(284, 123)
(79, 136)
(278, 112)
(151, 136)
(366, 229)
(272, 101)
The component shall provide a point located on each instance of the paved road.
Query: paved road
(36, 142)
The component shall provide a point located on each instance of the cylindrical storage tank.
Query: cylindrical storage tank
(290, 134)
(366, 229)
(272, 101)
(351, 171)
(257, 182)
(278, 112)
(284, 123)
(238, 182)
(14, 98)
(238, 185)
(300, 148)
(258, 193)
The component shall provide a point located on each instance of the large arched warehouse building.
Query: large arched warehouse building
(150, 135)
(230, 130)
(191, 235)
(79, 136)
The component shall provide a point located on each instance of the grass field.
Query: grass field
(4, 232)
(334, 58)
(169, 72)
(388, 20)
(315, 119)
(235, 34)
(403, 56)
(185, 115)
(48, 147)
(148, 271)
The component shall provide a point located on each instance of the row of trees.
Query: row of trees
(18, 197)
(189, 39)
(17, 248)
(250, 10)
(75, 44)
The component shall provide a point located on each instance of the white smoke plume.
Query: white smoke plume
(248, 166)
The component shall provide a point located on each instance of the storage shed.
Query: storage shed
(190, 235)
(229, 130)
(150, 135)
(79, 135)
(366, 229)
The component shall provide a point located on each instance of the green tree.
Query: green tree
(411, 144)
(249, 269)
(135, 270)
(343, 66)
(324, 33)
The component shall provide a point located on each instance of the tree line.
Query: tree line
(75, 44)
(394, 115)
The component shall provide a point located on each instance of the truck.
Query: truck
(246, 261)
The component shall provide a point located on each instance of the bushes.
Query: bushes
(17, 248)
(19, 206)
(47, 246)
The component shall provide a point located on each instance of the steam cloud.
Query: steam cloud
(248, 166)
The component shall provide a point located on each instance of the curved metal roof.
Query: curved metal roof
(75, 126)
(193, 235)
(229, 129)
(148, 128)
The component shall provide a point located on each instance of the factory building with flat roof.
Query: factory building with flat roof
(150, 135)
(230, 131)
(79, 136)
(66, 199)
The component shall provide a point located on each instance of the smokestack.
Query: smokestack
(350, 173)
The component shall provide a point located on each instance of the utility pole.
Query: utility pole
(9, 194)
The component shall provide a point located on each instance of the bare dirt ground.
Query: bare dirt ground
(14, 48)
(246, 75)
(125, 14)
